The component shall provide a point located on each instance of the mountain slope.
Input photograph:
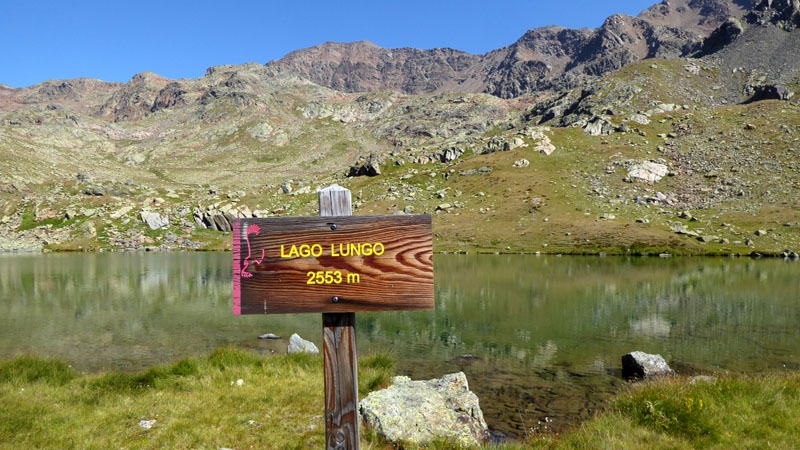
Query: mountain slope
(670, 154)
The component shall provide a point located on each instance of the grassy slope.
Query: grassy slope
(196, 403)
(562, 180)
(766, 161)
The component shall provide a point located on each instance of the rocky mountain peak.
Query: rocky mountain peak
(697, 15)
(549, 57)
(784, 13)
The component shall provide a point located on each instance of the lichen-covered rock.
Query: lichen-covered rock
(417, 412)
(643, 364)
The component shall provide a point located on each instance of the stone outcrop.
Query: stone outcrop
(417, 412)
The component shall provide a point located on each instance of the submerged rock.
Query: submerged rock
(417, 412)
(300, 345)
(643, 364)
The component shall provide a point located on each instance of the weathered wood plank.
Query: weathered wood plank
(400, 278)
(341, 380)
(339, 350)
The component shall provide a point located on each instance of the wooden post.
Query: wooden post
(339, 350)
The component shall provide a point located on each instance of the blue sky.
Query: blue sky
(113, 41)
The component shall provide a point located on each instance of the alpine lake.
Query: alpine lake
(539, 337)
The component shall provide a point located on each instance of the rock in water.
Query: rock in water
(270, 336)
(417, 412)
(647, 171)
(300, 345)
(643, 364)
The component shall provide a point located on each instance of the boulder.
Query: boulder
(449, 154)
(641, 119)
(522, 163)
(417, 412)
(222, 223)
(495, 144)
(483, 170)
(545, 146)
(370, 166)
(599, 127)
(94, 189)
(208, 220)
(154, 220)
(643, 364)
(647, 171)
(300, 345)
(516, 143)
(722, 36)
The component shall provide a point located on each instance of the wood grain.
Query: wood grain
(399, 279)
(341, 380)
(339, 351)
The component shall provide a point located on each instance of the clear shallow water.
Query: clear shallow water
(536, 336)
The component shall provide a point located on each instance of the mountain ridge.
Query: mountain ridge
(667, 29)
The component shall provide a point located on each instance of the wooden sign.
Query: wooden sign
(332, 264)
(335, 264)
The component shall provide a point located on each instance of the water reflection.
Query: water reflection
(536, 335)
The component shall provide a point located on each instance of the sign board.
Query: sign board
(332, 264)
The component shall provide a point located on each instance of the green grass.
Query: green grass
(29, 222)
(28, 369)
(735, 412)
(197, 403)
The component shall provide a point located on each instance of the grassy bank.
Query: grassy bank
(196, 403)
(199, 403)
(736, 412)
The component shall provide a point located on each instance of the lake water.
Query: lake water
(537, 336)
